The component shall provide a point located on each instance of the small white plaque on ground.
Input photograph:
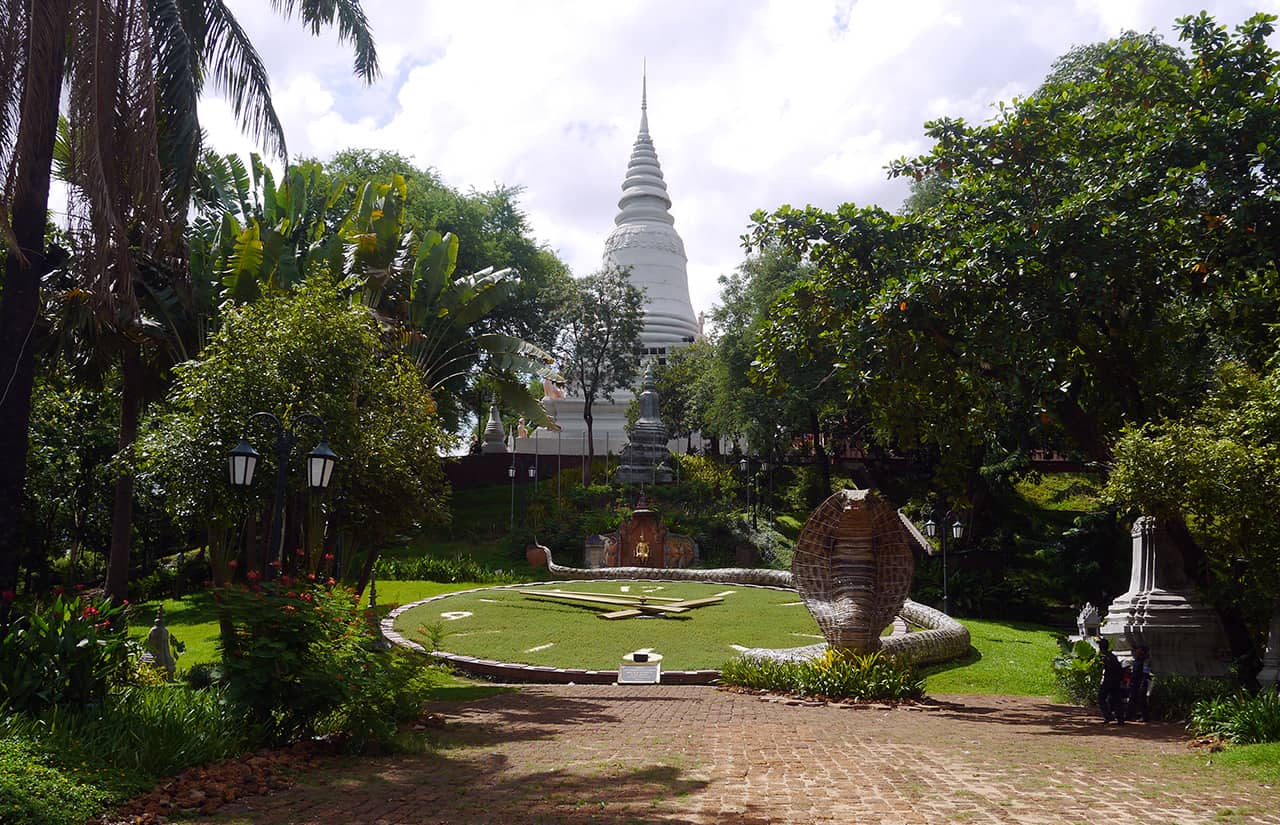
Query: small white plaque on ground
(649, 672)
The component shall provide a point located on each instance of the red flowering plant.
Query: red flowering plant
(65, 653)
(294, 652)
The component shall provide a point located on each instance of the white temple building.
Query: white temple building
(644, 239)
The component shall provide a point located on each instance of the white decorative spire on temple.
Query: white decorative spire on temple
(644, 238)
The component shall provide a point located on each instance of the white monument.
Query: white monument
(1161, 610)
(644, 240)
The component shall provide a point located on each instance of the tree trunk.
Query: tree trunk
(25, 266)
(591, 442)
(1083, 430)
(820, 454)
(122, 507)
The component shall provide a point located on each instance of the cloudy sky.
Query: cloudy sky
(752, 103)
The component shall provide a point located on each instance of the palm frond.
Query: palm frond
(353, 26)
(237, 70)
(178, 79)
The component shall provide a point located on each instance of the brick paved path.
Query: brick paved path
(589, 754)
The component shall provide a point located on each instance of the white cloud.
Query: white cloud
(751, 104)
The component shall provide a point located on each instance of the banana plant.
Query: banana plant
(409, 281)
(254, 236)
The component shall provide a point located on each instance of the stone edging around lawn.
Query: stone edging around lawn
(515, 672)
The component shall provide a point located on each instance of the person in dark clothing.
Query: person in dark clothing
(1140, 684)
(1111, 689)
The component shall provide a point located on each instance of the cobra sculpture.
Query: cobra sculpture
(852, 569)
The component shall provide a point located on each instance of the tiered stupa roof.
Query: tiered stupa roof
(644, 238)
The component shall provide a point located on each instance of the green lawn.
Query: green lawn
(1009, 658)
(1012, 658)
(193, 622)
(1259, 762)
(507, 626)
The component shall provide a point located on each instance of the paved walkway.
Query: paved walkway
(587, 754)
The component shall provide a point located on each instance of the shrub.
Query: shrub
(69, 652)
(67, 763)
(432, 569)
(389, 690)
(1077, 672)
(290, 652)
(300, 662)
(837, 674)
(203, 675)
(34, 792)
(1175, 697)
(1242, 719)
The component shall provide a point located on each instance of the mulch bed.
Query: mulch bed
(206, 788)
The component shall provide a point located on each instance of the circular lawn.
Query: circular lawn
(503, 624)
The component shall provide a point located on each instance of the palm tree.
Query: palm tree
(132, 83)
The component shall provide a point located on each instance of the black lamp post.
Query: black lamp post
(511, 474)
(745, 466)
(957, 532)
(243, 461)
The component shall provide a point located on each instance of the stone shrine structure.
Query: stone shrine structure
(495, 438)
(641, 541)
(644, 456)
(1160, 609)
(644, 240)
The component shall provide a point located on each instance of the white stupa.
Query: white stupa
(645, 241)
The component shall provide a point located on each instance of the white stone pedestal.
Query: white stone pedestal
(633, 672)
(1161, 610)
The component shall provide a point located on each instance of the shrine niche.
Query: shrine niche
(641, 541)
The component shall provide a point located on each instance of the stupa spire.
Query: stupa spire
(644, 98)
(645, 241)
(644, 192)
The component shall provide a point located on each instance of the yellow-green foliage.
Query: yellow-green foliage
(836, 674)
(708, 470)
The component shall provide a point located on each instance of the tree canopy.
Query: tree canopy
(600, 319)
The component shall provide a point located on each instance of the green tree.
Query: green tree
(685, 390)
(132, 83)
(307, 351)
(600, 321)
(1099, 246)
(438, 316)
(774, 416)
(1218, 468)
(492, 231)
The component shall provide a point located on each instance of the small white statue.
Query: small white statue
(160, 643)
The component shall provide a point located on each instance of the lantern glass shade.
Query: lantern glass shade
(533, 471)
(957, 530)
(743, 465)
(242, 462)
(511, 472)
(320, 463)
(931, 528)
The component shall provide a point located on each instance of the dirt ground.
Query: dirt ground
(640, 754)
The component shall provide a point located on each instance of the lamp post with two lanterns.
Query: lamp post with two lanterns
(243, 461)
(745, 466)
(956, 529)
